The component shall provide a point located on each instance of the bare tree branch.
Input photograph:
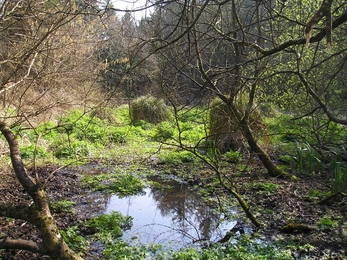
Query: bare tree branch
(318, 37)
(318, 99)
(323, 11)
(23, 212)
(9, 86)
(8, 243)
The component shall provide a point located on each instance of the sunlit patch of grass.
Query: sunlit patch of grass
(122, 113)
(148, 108)
(177, 157)
(120, 183)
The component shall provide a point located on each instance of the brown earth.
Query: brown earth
(293, 202)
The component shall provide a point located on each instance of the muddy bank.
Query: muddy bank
(292, 202)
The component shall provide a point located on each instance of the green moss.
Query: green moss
(326, 223)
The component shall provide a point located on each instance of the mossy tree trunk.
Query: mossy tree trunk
(38, 213)
(272, 168)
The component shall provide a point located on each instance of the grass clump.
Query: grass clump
(122, 184)
(308, 159)
(232, 157)
(224, 129)
(338, 177)
(106, 228)
(148, 108)
(314, 194)
(177, 157)
(62, 206)
(266, 188)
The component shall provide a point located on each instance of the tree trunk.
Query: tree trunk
(52, 242)
(273, 170)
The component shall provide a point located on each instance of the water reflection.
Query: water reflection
(175, 217)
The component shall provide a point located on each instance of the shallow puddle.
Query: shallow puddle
(174, 216)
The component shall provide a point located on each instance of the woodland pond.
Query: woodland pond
(167, 212)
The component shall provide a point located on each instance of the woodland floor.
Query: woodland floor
(292, 203)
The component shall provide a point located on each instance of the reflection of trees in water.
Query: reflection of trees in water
(187, 209)
(94, 202)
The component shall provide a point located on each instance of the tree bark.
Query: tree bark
(27, 245)
(272, 168)
(53, 244)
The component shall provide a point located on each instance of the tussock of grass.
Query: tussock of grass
(224, 127)
(148, 108)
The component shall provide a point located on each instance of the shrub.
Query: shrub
(148, 108)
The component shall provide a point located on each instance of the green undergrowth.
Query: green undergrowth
(62, 206)
(109, 133)
(169, 146)
(107, 229)
(75, 240)
(175, 157)
(326, 223)
(264, 188)
(307, 143)
(116, 182)
(244, 248)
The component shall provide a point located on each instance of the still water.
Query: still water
(174, 216)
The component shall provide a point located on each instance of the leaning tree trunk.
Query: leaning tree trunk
(38, 213)
(272, 168)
